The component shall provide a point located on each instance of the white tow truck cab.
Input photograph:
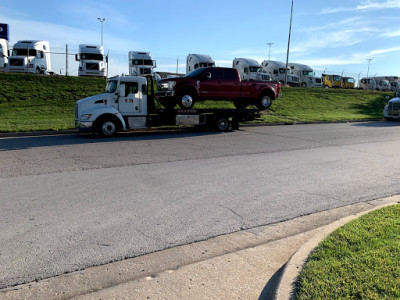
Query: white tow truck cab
(3, 53)
(128, 103)
(250, 69)
(91, 61)
(392, 109)
(306, 75)
(141, 63)
(30, 57)
(195, 61)
(277, 70)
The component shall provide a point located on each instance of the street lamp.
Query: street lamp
(369, 61)
(287, 53)
(269, 53)
(101, 21)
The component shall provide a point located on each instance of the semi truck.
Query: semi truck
(372, 83)
(195, 61)
(348, 83)
(3, 53)
(91, 61)
(141, 63)
(129, 103)
(306, 75)
(30, 56)
(278, 70)
(216, 84)
(250, 69)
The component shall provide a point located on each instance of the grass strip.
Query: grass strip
(361, 260)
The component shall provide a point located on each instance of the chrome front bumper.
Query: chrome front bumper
(83, 126)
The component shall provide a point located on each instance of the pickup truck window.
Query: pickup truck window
(216, 74)
(230, 74)
(194, 73)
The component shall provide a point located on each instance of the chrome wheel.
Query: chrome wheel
(187, 101)
(108, 128)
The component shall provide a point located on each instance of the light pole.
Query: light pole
(287, 53)
(359, 74)
(101, 21)
(369, 61)
(269, 53)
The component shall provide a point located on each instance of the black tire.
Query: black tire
(239, 104)
(108, 126)
(222, 124)
(389, 119)
(38, 71)
(303, 84)
(264, 102)
(186, 99)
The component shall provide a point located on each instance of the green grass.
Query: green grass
(31, 102)
(358, 261)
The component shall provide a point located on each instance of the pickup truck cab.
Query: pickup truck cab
(216, 84)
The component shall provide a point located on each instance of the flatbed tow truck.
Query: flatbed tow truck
(129, 103)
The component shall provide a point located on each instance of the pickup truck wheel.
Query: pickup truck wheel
(264, 102)
(222, 124)
(186, 100)
(240, 104)
(108, 127)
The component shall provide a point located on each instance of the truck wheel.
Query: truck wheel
(186, 100)
(304, 85)
(264, 102)
(37, 70)
(240, 104)
(222, 124)
(108, 127)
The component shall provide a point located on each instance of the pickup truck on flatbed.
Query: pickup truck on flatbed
(216, 84)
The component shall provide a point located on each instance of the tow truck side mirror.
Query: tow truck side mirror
(122, 90)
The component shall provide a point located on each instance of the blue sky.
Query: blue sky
(335, 36)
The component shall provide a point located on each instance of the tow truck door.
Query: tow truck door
(132, 100)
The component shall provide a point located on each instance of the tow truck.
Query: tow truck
(129, 103)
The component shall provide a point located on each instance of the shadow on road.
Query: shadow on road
(26, 142)
(378, 124)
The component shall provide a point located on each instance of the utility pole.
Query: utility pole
(177, 59)
(288, 46)
(269, 52)
(101, 21)
(369, 61)
(66, 60)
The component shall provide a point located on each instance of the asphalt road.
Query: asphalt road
(69, 202)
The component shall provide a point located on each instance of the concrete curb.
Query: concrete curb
(286, 288)
(74, 131)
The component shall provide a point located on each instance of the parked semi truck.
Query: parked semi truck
(3, 53)
(392, 109)
(129, 103)
(141, 63)
(216, 84)
(372, 83)
(195, 61)
(250, 69)
(30, 57)
(277, 70)
(306, 75)
(91, 61)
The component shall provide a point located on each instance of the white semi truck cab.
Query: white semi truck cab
(141, 63)
(195, 61)
(277, 70)
(3, 53)
(91, 61)
(306, 75)
(129, 103)
(30, 57)
(250, 69)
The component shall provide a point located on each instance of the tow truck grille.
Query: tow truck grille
(394, 107)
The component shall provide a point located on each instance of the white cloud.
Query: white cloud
(365, 6)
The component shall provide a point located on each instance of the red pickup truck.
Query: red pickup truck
(216, 84)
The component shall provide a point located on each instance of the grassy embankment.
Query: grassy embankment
(357, 261)
(30, 102)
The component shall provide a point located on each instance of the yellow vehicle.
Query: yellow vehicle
(348, 82)
(331, 81)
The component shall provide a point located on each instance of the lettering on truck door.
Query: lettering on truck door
(132, 103)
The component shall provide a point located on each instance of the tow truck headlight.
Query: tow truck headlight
(85, 117)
